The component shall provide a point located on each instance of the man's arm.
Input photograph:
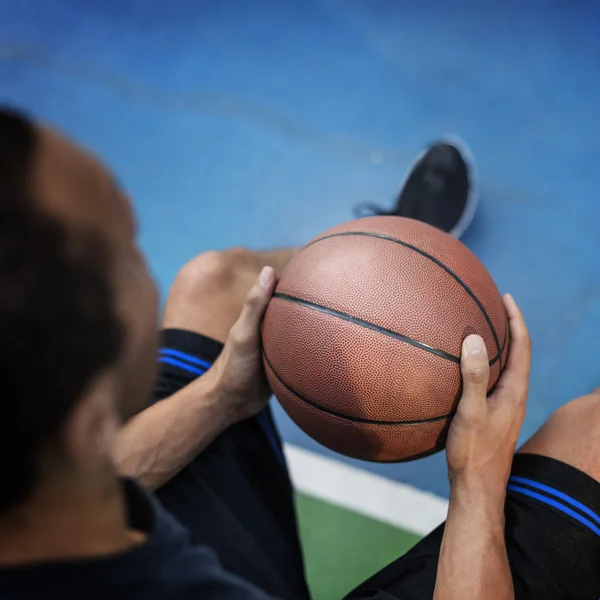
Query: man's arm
(473, 562)
(161, 440)
(481, 442)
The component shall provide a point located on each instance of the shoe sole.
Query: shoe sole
(473, 196)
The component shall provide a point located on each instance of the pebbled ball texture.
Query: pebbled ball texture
(362, 338)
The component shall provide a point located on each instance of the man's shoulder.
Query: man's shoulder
(165, 566)
(173, 572)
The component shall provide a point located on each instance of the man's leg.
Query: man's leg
(235, 496)
(572, 435)
(208, 292)
(552, 518)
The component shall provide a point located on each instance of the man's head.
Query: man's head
(78, 310)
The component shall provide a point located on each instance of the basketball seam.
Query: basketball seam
(350, 417)
(434, 450)
(379, 329)
(434, 260)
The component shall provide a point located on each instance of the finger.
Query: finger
(247, 326)
(475, 370)
(519, 357)
(516, 374)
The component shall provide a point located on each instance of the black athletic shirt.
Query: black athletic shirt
(165, 566)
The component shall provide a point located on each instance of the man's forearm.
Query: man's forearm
(473, 562)
(161, 440)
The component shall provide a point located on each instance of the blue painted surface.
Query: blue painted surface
(262, 123)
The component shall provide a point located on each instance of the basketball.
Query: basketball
(362, 338)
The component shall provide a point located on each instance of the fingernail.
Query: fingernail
(265, 277)
(474, 345)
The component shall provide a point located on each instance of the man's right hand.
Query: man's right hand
(483, 434)
(482, 438)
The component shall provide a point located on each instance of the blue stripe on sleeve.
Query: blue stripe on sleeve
(564, 497)
(184, 356)
(555, 504)
(178, 363)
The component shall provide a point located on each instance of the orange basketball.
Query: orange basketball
(362, 338)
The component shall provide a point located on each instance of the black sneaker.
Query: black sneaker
(440, 188)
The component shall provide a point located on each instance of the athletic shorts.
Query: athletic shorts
(237, 498)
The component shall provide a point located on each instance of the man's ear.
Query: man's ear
(91, 428)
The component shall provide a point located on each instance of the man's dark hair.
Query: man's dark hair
(58, 325)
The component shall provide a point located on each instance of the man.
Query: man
(78, 307)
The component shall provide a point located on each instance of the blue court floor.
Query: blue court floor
(263, 122)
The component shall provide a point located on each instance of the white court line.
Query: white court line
(362, 492)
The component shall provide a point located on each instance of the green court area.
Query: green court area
(343, 548)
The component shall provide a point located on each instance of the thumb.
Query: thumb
(475, 371)
(247, 326)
